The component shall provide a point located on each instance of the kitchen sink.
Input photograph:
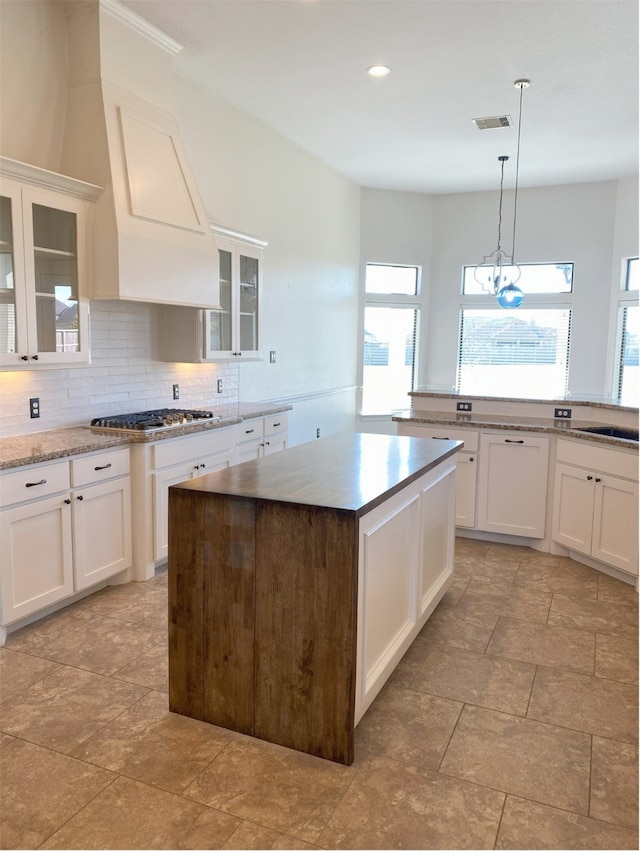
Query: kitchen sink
(613, 431)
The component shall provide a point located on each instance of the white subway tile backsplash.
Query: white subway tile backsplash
(123, 376)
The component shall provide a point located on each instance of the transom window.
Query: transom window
(535, 278)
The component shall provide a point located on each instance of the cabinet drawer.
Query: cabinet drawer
(99, 467)
(183, 449)
(34, 482)
(276, 424)
(469, 437)
(617, 462)
(249, 430)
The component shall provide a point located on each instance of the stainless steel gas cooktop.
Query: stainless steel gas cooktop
(156, 420)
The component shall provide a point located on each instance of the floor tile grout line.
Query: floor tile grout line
(504, 804)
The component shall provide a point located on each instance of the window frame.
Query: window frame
(391, 301)
(624, 298)
(532, 301)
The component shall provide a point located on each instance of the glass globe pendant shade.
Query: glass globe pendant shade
(510, 296)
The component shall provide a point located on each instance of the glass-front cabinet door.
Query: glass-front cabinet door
(13, 317)
(44, 318)
(233, 330)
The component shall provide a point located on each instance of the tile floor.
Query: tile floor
(512, 722)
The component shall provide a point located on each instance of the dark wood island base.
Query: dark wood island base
(298, 581)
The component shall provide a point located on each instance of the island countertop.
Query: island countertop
(348, 471)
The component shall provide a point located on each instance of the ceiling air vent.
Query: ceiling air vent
(491, 123)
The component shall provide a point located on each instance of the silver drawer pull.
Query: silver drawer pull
(106, 467)
(506, 440)
(34, 484)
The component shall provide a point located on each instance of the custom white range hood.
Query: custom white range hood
(151, 236)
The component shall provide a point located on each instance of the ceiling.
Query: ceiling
(299, 66)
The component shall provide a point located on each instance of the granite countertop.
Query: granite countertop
(566, 401)
(51, 445)
(506, 422)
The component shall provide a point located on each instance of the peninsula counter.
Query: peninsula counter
(298, 581)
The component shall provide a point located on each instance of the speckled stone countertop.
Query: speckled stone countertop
(63, 442)
(568, 400)
(506, 422)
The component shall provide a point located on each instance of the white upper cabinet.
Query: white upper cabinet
(232, 331)
(44, 268)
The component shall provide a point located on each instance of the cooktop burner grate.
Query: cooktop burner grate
(159, 418)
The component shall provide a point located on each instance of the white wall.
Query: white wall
(558, 223)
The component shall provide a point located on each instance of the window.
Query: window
(519, 353)
(391, 326)
(626, 373)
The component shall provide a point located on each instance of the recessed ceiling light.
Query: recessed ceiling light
(378, 70)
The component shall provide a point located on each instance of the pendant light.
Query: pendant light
(498, 273)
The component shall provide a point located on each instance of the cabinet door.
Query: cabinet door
(615, 515)
(437, 500)
(36, 556)
(389, 595)
(573, 499)
(162, 481)
(55, 263)
(274, 443)
(466, 468)
(13, 307)
(249, 451)
(512, 491)
(101, 531)
(218, 324)
(248, 295)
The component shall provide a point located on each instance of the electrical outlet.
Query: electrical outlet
(219, 385)
(34, 408)
(272, 357)
(562, 414)
(176, 391)
(463, 406)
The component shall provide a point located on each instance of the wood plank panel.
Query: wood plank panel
(306, 599)
(229, 573)
(187, 533)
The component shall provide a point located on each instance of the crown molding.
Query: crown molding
(135, 22)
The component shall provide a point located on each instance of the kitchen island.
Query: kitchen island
(298, 581)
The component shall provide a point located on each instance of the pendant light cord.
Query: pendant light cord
(522, 87)
(502, 162)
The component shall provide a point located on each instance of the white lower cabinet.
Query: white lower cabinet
(595, 504)
(260, 436)
(405, 566)
(512, 484)
(176, 460)
(64, 527)
(467, 466)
